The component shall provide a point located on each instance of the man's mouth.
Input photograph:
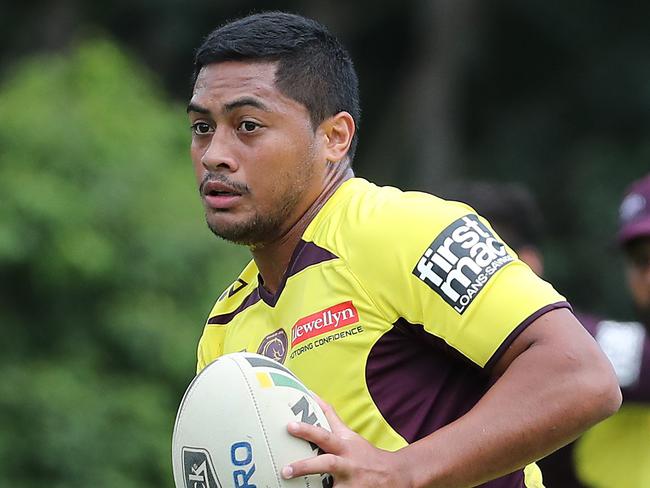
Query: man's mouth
(219, 195)
(216, 193)
(214, 188)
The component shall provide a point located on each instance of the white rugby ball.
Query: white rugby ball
(231, 426)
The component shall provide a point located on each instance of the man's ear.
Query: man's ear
(338, 131)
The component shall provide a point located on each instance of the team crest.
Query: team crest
(198, 470)
(274, 346)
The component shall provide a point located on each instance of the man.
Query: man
(615, 453)
(449, 362)
(634, 239)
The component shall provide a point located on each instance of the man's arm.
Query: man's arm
(551, 384)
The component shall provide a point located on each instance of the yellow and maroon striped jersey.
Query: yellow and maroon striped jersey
(394, 307)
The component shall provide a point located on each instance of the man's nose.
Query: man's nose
(220, 152)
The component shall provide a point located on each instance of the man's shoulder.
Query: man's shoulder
(381, 233)
(387, 201)
(364, 210)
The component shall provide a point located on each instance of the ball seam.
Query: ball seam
(259, 418)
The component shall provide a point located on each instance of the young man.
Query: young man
(616, 452)
(449, 362)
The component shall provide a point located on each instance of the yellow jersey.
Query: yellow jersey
(394, 307)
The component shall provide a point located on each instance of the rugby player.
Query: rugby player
(448, 362)
(616, 453)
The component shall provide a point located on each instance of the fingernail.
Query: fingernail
(287, 472)
(292, 426)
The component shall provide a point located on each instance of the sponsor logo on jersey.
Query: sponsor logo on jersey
(461, 260)
(198, 469)
(274, 346)
(323, 322)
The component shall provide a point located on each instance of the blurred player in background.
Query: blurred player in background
(375, 298)
(616, 453)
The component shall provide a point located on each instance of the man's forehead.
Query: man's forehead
(236, 74)
(220, 85)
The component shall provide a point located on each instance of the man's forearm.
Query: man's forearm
(522, 418)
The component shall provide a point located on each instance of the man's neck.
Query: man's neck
(272, 259)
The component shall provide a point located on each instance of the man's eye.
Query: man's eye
(248, 126)
(201, 128)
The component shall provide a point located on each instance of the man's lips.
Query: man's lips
(215, 188)
(219, 195)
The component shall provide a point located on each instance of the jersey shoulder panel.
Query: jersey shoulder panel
(381, 232)
(366, 222)
(436, 263)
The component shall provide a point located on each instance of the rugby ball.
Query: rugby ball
(231, 426)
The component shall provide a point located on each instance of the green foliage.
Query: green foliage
(107, 272)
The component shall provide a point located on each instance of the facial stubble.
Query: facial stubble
(268, 227)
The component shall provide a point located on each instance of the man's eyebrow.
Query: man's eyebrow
(193, 107)
(246, 101)
(229, 107)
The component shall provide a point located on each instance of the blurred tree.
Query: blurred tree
(106, 272)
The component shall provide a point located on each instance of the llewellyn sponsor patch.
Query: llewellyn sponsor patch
(324, 321)
(461, 260)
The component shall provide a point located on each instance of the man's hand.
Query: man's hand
(349, 458)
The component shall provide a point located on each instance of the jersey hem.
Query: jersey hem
(520, 328)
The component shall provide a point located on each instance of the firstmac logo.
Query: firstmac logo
(324, 321)
(461, 260)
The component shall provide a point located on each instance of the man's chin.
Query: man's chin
(243, 233)
(235, 236)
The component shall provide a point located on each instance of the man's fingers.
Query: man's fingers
(323, 438)
(335, 422)
(325, 463)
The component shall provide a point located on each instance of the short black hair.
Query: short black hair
(510, 208)
(313, 66)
